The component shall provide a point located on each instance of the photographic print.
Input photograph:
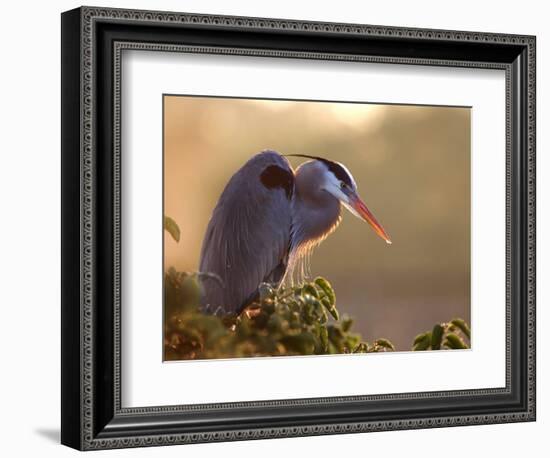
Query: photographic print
(314, 227)
(346, 204)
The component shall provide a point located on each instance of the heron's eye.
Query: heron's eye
(342, 185)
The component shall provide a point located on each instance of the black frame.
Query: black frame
(92, 42)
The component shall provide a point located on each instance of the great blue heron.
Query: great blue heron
(267, 221)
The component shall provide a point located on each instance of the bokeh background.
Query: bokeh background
(412, 168)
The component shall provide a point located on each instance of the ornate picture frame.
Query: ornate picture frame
(93, 416)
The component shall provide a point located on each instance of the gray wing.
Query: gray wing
(247, 239)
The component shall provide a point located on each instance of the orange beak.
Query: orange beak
(364, 213)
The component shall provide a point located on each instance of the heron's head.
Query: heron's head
(337, 180)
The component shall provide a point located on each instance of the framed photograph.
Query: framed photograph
(277, 228)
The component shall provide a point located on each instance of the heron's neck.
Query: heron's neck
(316, 213)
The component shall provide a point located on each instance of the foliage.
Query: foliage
(300, 320)
(172, 228)
(454, 335)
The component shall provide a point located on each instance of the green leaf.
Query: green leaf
(362, 347)
(384, 343)
(347, 322)
(210, 327)
(277, 324)
(330, 308)
(266, 291)
(454, 342)
(419, 338)
(302, 343)
(437, 337)
(335, 335)
(422, 341)
(327, 289)
(191, 290)
(323, 335)
(461, 324)
(172, 228)
(308, 288)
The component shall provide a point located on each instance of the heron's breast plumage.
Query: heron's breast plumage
(315, 215)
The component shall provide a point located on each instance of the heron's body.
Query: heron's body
(267, 220)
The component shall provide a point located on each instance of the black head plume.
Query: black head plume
(339, 172)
